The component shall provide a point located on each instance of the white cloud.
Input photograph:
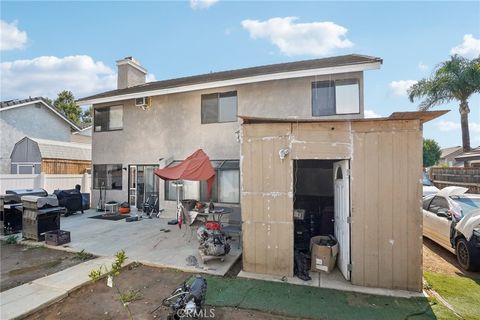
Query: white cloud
(447, 126)
(400, 87)
(48, 75)
(474, 127)
(470, 47)
(150, 77)
(202, 4)
(10, 37)
(371, 114)
(292, 38)
(422, 66)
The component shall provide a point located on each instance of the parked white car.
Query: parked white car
(443, 215)
(428, 187)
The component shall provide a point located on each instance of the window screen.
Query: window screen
(323, 98)
(219, 107)
(109, 118)
(347, 96)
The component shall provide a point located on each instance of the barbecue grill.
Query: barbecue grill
(71, 199)
(19, 193)
(11, 208)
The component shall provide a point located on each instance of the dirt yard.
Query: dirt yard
(22, 264)
(440, 260)
(97, 301)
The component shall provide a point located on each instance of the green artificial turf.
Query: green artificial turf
(315, 303)
(462, 293)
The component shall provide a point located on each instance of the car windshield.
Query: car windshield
(426, 181)
(467, 203)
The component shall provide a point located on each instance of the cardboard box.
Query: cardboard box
(323, 257)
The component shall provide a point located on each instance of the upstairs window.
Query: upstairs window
(335, 97)
(108, 119)
(219, 107)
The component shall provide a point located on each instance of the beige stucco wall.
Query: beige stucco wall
(172, 127)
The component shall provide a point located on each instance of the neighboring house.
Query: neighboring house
(448, 157)
(472, 157)
(257, 125)
(32, 117)
(33, 155)
(84, 135)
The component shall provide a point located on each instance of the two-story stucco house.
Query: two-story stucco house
(281, 137)
(131, 137)
(34, 118)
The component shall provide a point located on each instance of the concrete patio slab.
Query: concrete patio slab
(142, 241)
(333, 280)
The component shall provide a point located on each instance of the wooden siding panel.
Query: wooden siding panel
(371, 251)
(320, 150)
(385, 212)
(414, 219)
(267, 202)
(59, 166)
(386, 126)
(248, 248)
(400, 187)
(358, 210)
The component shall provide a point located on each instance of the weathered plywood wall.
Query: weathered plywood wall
(59, 166)
(267, 201)
(386, 230)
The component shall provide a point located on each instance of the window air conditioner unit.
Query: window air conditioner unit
(142, 102)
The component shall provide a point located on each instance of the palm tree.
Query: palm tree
(454, 79)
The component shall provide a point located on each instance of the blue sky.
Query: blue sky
(49, 46)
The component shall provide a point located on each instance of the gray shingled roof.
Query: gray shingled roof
(50, 149)
(15, 102)
(338, 61)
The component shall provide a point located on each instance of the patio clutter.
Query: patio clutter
(11, 208)
(39, 216)
(71, 199)
(57, 237)
(324, 253)
(187, 300)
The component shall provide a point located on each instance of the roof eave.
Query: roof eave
(236, 81)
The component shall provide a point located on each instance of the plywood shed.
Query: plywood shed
(32, 155)
(377, 203)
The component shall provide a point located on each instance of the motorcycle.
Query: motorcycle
(187, 301)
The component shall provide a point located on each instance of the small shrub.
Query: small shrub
(130, 296)
(83, 256)
(12, 239)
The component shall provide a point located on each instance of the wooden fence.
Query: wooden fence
(462, 177)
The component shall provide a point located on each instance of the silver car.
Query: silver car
(441, 214)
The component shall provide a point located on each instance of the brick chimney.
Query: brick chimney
(130, 73)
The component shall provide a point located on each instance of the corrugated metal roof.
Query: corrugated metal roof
(51, 149)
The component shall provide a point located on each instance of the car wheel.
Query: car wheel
(463, 255)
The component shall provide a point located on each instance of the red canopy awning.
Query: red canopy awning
(196, 167)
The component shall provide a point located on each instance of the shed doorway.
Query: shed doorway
(322, 197)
